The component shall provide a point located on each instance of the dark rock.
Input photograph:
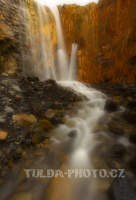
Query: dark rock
(28, 142)
(32, 78)
(37, 108)
(18, 153)
(132, 104)
(51, 81)
(122, 87)
(38, 134)
(72, 134)
(12, 147)
(130, 116)
(132, 138)
(115, 127)
(118, 150)
(57, 105)
(132, 164)
(122, 189)
(111, 106)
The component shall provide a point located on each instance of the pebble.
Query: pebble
(3, 135)
(8, 109)
(16, 88)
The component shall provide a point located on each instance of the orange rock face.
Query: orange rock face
(106, 37)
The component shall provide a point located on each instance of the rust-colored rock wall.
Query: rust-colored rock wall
(106, 36)
(20, 35)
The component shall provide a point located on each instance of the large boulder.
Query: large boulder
(111, 106)
(130, 116)
(122, 189)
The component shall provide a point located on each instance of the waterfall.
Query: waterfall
(37, 49)
(73, 62)
(62, 65)
(38, 56)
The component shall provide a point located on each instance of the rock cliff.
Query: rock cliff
(105, 33)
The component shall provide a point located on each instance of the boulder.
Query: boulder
(111, 106)
(115, 127)
(122, 189)
(132, 104)
(132, 164)
(130, 116)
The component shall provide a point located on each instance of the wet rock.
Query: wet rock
(132, 104)
(132, 164)
(24, 119)
(122, 189)
(118, 150)
(3, 135)
(49, 114)
(38, 134)
(130, 116)
(72, 134)
(132, 138)
(51, 81)
(29, 78)
(46, 124)
(111, 106)
(115, 127)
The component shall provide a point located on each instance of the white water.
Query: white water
(62, 65)
(84, 123)
(73, 62)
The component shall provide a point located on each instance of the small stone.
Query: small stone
(118, 150)
(24, 119)
(12, 147)
(12, 93)
(16, 88)
(49, 114)
(3, 135)
(46, 124)
(38, 134)
(18, 96)
(8, 109)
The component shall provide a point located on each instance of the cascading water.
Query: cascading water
(73, 62)
(38, 56)
(62, 65)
